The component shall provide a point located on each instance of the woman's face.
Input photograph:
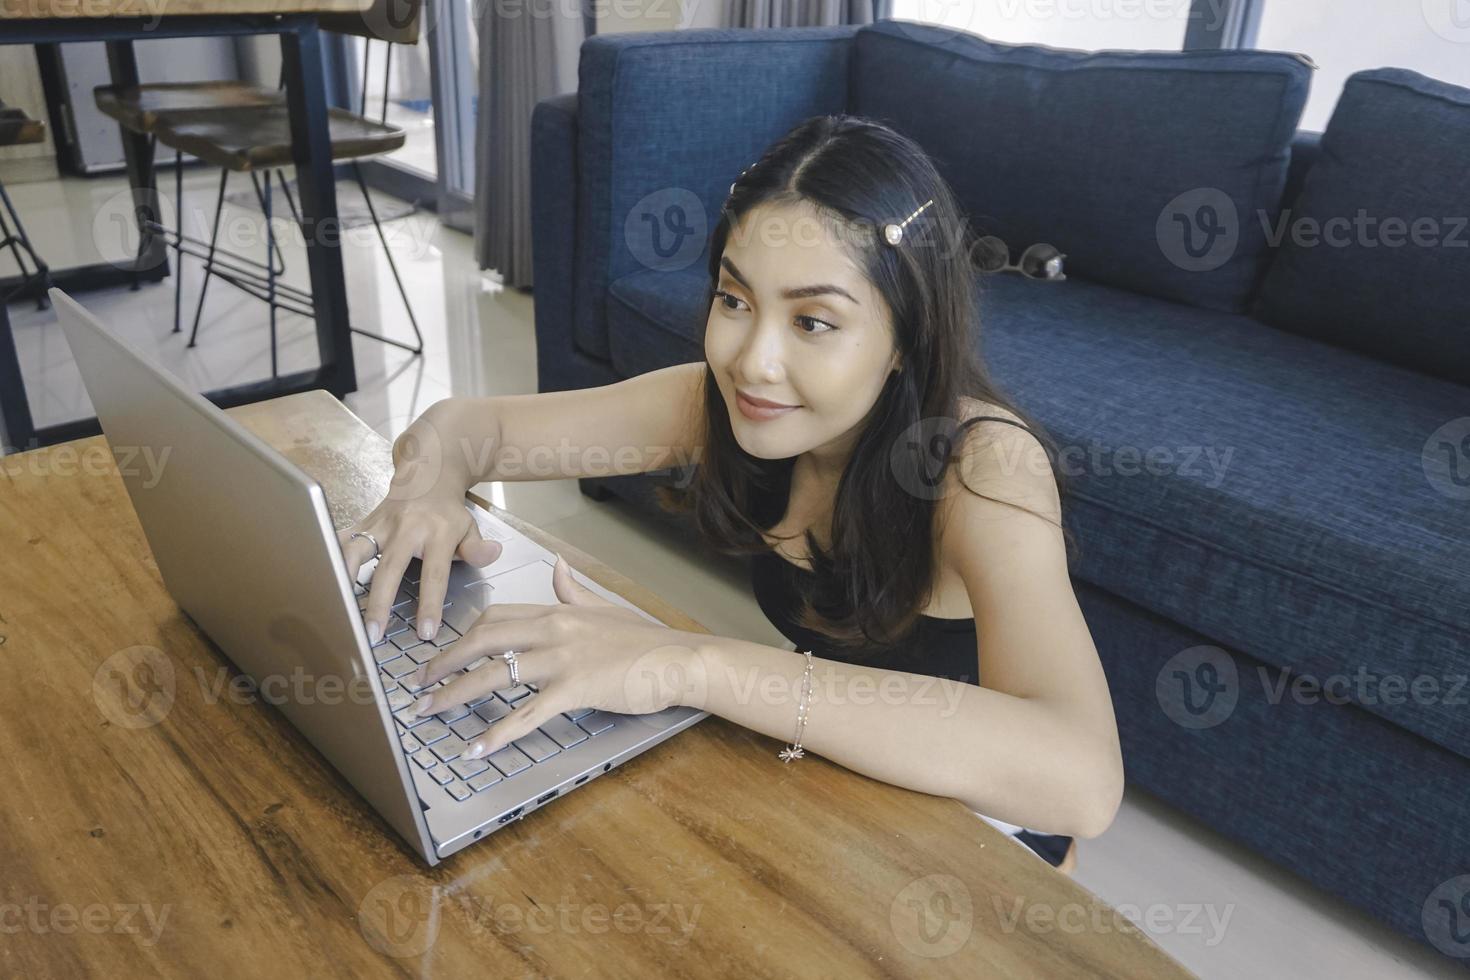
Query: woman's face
(794, 321)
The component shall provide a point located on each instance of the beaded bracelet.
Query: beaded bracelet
(795, 751)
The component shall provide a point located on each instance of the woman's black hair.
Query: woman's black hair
(872, 583)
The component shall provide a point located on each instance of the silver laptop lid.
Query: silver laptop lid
(245, 545)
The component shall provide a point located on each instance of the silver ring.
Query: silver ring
(377, 551)
(509, 657)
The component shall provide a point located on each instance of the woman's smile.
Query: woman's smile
(761, 410)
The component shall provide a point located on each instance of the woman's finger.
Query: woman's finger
(569, 590)
(476, 549)
(488, 640)
(533, 668)
(356, 552)
(385, 586)
(433, 585)
(522, 721)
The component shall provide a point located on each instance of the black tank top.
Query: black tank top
(936, 646)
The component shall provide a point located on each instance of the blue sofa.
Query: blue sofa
(1263, 415)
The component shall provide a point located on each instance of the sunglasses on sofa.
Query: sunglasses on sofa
(1039, 261)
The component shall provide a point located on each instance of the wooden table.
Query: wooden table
(217, 842)
(48, 23)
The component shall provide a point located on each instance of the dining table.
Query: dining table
(172, 822)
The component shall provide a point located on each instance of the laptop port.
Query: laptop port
(546, 796)
(580, 780)
(512, 815)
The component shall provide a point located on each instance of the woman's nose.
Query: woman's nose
(761, 357)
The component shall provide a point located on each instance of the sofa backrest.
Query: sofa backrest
(667, 120)
(1143, 167)
(1374, 252)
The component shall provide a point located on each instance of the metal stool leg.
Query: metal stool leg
(373, 212)
(219, 206)
(179, 240)
(18, 240)
(270, 270)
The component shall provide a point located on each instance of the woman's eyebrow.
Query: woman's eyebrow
(797, 292)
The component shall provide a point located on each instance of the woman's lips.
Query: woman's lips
(760, 413)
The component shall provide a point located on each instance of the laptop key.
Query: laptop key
(425, 759)
(450, 715)
(384, 652)
(465, 768)
(407, 722)
(400, 667)
(492, 711)
(441, 775)
(396, 625)
(458, 790)
(563, 732)
(596, 723)
(509, 760)
(409, 743)
(578, 713)
(405, 641)
(400, 699)
(484, 780)
(513, 694)
(446, 636)
(422, 653)
(537, 745)
(449, 749)
(432, 731)
(469, 727)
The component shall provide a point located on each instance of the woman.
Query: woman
(903, 519)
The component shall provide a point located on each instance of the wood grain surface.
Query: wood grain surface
(154, 823)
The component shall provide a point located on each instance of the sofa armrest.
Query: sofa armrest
(554, 227)
(670, 118)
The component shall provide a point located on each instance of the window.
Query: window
(1431, 37)
(1090, 25)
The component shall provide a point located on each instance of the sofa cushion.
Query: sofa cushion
(1293, 519)
(1300, 519)
(1113, 156)
(1376, 254)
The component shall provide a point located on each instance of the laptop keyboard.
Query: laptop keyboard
(437, 742)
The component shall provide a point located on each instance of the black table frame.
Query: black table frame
(306, 97)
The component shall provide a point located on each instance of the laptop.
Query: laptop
(246, 547)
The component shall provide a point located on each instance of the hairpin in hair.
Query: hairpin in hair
(737, 179)
(893, 233)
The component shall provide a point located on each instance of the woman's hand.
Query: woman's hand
(424, 516)
(584, 652)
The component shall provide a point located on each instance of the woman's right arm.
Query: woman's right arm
(647, 422)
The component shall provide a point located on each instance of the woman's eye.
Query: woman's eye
(725, 299)
(826, 327)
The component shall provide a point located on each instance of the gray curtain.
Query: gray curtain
(523, 59)
(805, 13)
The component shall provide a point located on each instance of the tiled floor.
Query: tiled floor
(1219, 909)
